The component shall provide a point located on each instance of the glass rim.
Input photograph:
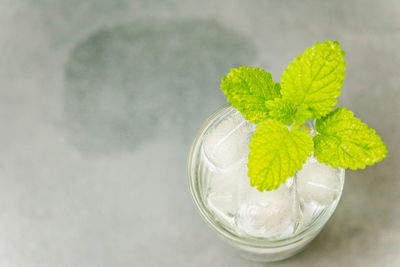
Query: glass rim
(256, 242)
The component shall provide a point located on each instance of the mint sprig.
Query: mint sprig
(308, 90)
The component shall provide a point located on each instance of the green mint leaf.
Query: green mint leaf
(285, 111)
(282, 110)
(276, 154)
(247, 89)
(302, 114)
(314, 78)
(344, 141)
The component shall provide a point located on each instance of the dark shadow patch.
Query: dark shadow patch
(130, 83)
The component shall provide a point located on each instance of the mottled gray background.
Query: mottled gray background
(99, 102)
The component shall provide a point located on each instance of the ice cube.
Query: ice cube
(227, 142)
(318, 183)
(269, 214)
(224, 192)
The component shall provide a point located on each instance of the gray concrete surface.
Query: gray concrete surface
(99, 102)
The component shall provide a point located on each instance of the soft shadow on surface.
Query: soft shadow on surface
(129, 83)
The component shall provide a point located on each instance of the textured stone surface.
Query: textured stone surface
(99, 102)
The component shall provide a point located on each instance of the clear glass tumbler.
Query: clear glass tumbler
(253, 248)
